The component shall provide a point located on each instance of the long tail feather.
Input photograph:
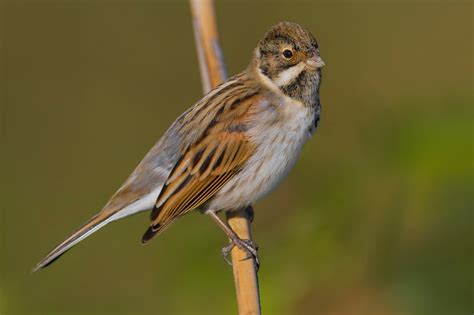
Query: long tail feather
(95, 223)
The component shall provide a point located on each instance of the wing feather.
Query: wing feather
(205, 166)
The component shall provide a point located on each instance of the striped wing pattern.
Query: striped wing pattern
(206, 165)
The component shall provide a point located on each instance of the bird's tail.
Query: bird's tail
(95, 223)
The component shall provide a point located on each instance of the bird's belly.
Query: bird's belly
(277, 153)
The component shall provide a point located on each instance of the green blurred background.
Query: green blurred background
(376, 217)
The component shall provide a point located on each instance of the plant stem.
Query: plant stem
(212, 67)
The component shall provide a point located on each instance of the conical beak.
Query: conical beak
(315, 62)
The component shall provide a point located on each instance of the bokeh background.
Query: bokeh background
(376, 218)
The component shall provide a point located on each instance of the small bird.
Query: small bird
(230, 148)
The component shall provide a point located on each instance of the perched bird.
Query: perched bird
(228, 150)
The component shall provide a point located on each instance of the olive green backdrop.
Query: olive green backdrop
(376, 217)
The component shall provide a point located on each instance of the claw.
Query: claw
(246, 245)
(226, 252)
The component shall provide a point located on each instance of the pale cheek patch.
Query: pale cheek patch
(288, 75)
(272, 86)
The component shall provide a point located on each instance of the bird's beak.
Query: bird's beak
(315, 62)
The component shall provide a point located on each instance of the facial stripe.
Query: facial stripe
(273, 87)
(288, 75)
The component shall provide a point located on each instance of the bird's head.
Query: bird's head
(288, 59)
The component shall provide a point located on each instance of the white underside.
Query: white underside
(280, 135)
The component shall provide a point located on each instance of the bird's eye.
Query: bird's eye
(287, 54)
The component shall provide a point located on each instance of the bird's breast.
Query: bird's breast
(279, 135)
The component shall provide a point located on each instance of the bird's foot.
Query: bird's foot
(247, 246)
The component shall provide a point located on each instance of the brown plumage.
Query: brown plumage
(231, 148)
(208, 164)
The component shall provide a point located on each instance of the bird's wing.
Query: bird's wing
(197, 129)
(207, 164)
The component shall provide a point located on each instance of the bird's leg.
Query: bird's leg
(246, 245)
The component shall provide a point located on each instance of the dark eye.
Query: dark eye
(287, 53)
